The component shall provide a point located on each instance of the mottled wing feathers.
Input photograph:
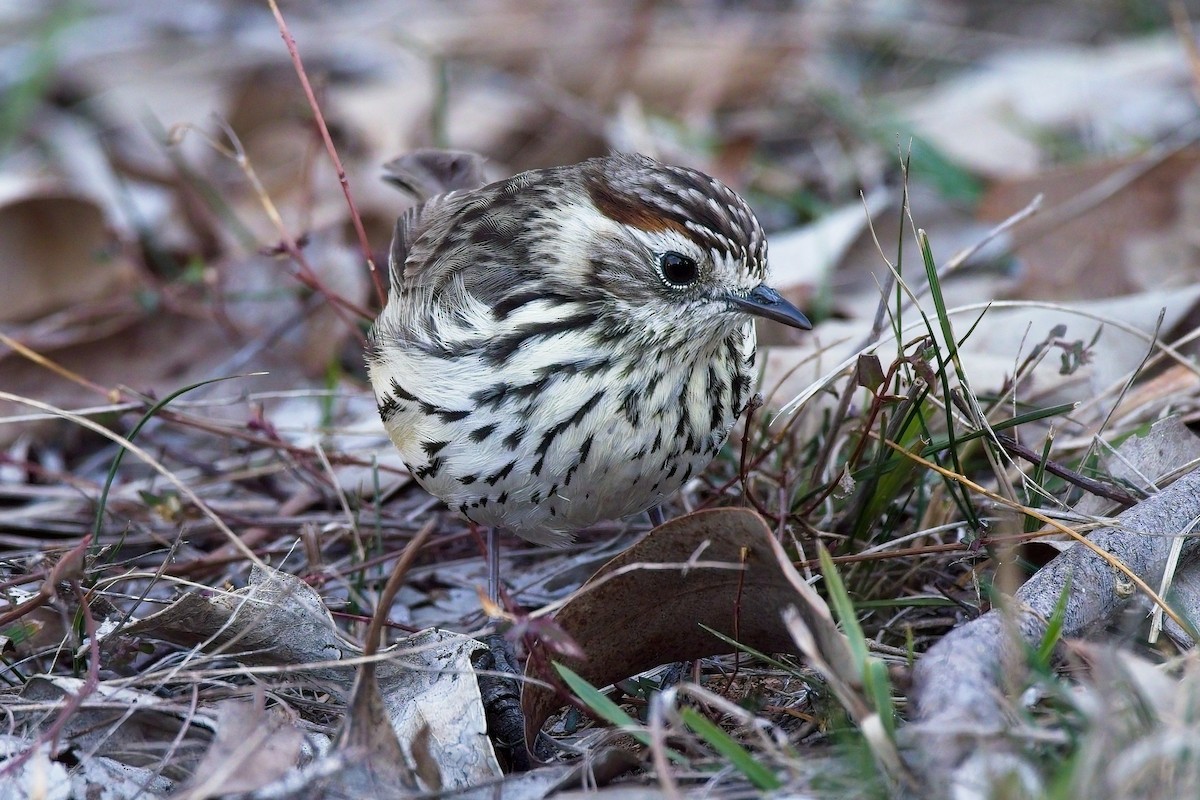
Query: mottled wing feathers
(420, 232)
(437, 178)
(480, 238)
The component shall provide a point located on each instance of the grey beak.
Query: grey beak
(763, 301)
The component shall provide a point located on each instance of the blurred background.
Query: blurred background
(169, 212)
(154, 157)
(170, 215)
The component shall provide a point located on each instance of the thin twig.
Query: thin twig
(1112, 561)
(148, 459)
(70, 564)
(333, 154)
(74, 701)
(1012, 446)
(394, 582)
(236, 152)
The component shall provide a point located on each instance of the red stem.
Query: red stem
(290, 42)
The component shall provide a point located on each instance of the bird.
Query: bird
(569, 345)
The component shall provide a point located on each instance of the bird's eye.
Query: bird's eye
(678, 269)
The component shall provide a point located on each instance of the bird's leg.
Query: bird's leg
(500, 693)
(493, 559)
(657, 515)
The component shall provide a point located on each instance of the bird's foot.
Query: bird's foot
(502, 700)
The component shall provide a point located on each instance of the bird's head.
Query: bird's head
(671, 250)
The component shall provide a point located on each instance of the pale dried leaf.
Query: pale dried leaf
(422, 683)
(999, 342)
(995, 120)
(39, 776)
(254, 746)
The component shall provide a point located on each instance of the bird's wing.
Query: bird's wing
(476, 241)
(438, 179)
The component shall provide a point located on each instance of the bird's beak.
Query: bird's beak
(763, 301)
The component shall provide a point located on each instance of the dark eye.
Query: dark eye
(677, 269)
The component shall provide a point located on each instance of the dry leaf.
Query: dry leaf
(55, 251)
(720, 568)
(130, 726)
(420, 684)
(253, 748)
(1106, 229)
(998, 119)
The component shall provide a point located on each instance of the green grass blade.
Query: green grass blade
(879, 688)
(102, 503)
(750, 651)
(741, 758)
(607, 710)
(1054, 628)
(843, 609)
